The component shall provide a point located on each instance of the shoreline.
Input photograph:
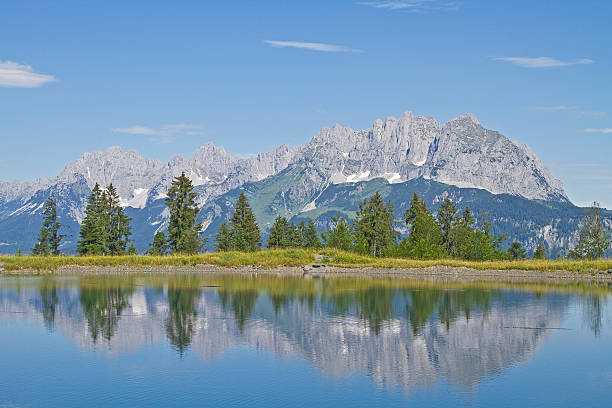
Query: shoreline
(315, 271)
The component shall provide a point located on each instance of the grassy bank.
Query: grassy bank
(291, 257)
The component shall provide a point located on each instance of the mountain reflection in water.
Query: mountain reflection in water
(398, 332)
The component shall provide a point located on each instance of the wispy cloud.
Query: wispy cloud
(415, 6)
(556, 108)
(601, 130)
(14, 75)
(311, 46)
(163, 134)
(543, 62)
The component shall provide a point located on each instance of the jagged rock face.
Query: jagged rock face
(461, 153)
(465, 154)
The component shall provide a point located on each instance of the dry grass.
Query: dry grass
(291, 257)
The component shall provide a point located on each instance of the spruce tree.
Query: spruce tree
(517, 251)
(244, 232)
(92, 233)
(117, 224)
(593, 236)
(159, 246)
(340, 234)
(49, 238)
(311, 236)
(374, 226)
(278, 233)
(540, 252)
(183, 229)
(426, 239)
(446, 217)
(294, 236)
(224, 239)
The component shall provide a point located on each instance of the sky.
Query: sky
(165, 77)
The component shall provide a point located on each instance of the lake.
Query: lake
(267, 341)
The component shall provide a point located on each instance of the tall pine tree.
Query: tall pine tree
(446, 217)
(116, 223)
(593, 236)
(340, 234)
(92, 233)
(311, 236)
(183, 230)
(244, 229)
(224, 238)
(278, 233)
(374, 226)
(49, 238)
(426, 239)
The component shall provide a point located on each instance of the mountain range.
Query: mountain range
(327, 176)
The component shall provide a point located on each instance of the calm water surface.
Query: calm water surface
(198, 341)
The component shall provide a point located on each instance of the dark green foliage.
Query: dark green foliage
(593, 236)
(446, 219)
(311, 236)
(105, 229)
(540, 252)
(340, 234)
(245, 235)
(426, 239)
(49, 238)
(475, 243)
(159, 246)
(374, 226)
(517, 251)
(278, 233)
(116, 223)
(294, 236)
(183, 229)
(224, 238)
(91, 235)
(132, 250)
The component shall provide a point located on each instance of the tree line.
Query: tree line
(449, 232)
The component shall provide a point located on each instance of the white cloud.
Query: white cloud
(310, 46)
(557, 108)
(13, 75)
(412, 5)
(543, 62)
(163, 134)
(603, 130)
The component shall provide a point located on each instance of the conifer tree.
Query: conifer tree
(340, 234)
(446, 217)
(159, 246)
(183, 229)
(244, 232)
(294, 236)
(374, 226)
(311, 236)
(224, 238)
(92, 233)
(49, 238)
(517, 251)
(593, 236)
(117, 224)
(425, 240)
(540, 252)
(278, 233)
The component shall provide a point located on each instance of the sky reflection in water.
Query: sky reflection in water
(195, 340)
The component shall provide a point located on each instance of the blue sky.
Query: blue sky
(164, 77)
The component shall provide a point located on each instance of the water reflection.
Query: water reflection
(398, 332)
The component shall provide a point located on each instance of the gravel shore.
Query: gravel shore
(438, 273)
